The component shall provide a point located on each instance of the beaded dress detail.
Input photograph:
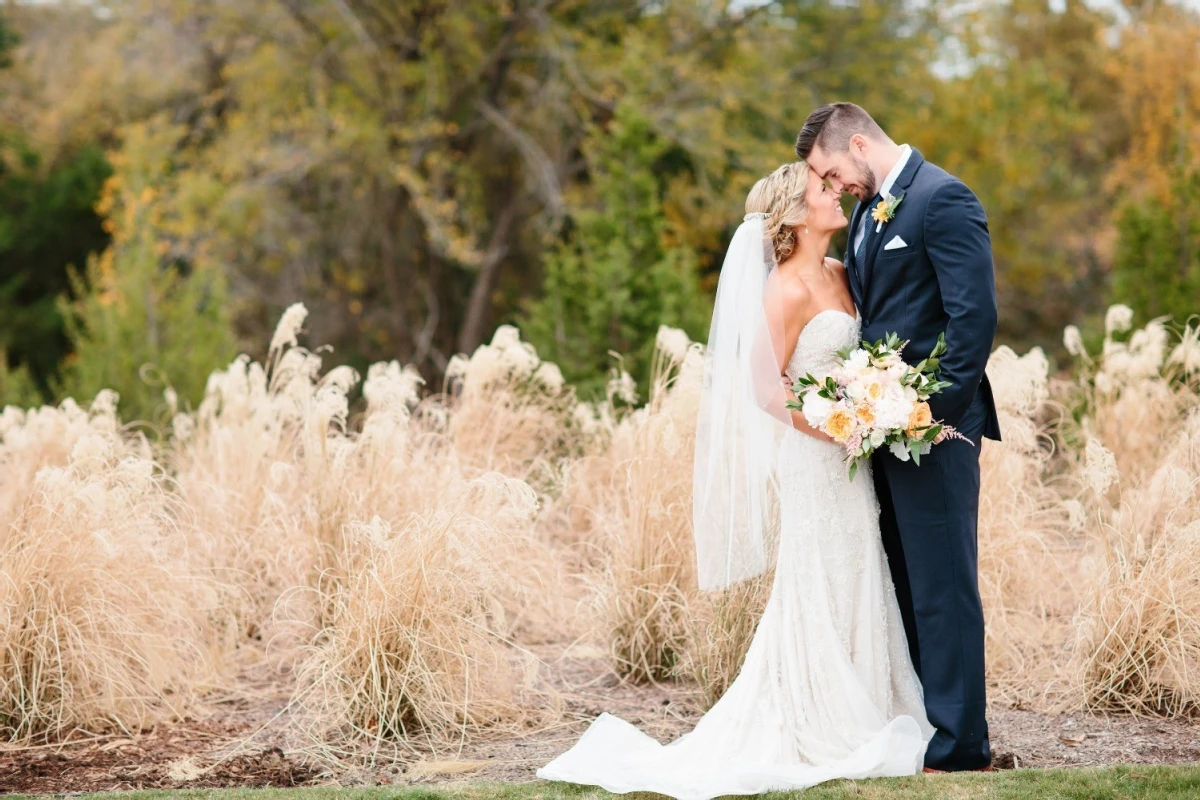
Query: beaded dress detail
(827, 689)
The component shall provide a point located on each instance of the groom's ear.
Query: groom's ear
(858, 144)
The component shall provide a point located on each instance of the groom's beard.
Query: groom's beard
(865, 183)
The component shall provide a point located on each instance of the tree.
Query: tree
(46, 223)
(1155, 69)
(142, 321)
(614, 279)
(8, 40)
(1025, 120)
(1157, 266)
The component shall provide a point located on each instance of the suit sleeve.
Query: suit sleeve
(960, 249)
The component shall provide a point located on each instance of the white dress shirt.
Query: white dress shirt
(884, 188)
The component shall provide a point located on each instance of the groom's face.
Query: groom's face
(846, 172)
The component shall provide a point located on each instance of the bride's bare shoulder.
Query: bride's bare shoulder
(788, 293)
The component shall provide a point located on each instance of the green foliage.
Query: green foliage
(413, 172)
(152, 326)
(47, 222)
(17, 387)
(1026, 126)
(1156, 270)
(143, 320)
(8, 40)
(147, 325)
(614, 280)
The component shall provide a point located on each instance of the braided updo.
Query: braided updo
(781, 196)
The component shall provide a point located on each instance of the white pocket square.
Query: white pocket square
(895, 243)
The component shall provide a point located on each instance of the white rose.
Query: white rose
(877, 437)
(856, 391)
(858, 360)
(816, 409)
(892, 413)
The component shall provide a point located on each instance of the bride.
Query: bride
(827, 689)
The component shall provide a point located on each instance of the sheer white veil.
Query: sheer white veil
(742, 417)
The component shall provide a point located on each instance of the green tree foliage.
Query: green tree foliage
(1026, 124)
(47, 222)
(1155, 71)
(417, 170)
(8, 40)
(1157, 266)
(144, 321)
(17, 387)
(614, 279)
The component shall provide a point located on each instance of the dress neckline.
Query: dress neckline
(855, 316)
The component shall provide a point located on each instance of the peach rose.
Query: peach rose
(865, 414)
(840, 425)
(921, 417)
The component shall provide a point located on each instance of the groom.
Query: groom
(921, 265)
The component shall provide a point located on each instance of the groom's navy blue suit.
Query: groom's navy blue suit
(939, 280)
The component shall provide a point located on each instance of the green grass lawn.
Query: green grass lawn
(1115, 782)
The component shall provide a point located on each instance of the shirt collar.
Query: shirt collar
(886, 186)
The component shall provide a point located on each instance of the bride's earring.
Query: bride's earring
(806, 229)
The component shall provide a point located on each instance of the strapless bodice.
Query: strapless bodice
(825, 334)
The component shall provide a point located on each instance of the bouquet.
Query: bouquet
(873, 399)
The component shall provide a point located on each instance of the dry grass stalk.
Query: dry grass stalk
(645, 505)
(104, 621)
(1026, 576)
(420, 624)
(402, 563)
(1137, 647)
(511, 410)
(721, 625)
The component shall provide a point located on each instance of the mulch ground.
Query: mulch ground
(245, 742)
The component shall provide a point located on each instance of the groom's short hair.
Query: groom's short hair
(831, 127)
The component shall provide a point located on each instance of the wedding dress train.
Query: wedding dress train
(827, 689)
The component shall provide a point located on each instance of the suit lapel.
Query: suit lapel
(903, 181)
(852, 262)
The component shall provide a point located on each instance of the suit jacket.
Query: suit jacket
(941, 280)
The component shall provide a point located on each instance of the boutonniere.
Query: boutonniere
(885, 210)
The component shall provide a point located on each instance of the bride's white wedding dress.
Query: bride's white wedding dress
(827, 689)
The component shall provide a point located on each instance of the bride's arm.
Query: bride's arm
(798, 420)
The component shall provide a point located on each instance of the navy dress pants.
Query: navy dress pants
(928, 520)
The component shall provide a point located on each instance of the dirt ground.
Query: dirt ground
(244, 741)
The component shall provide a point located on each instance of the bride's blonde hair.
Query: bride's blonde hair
(781, 196)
